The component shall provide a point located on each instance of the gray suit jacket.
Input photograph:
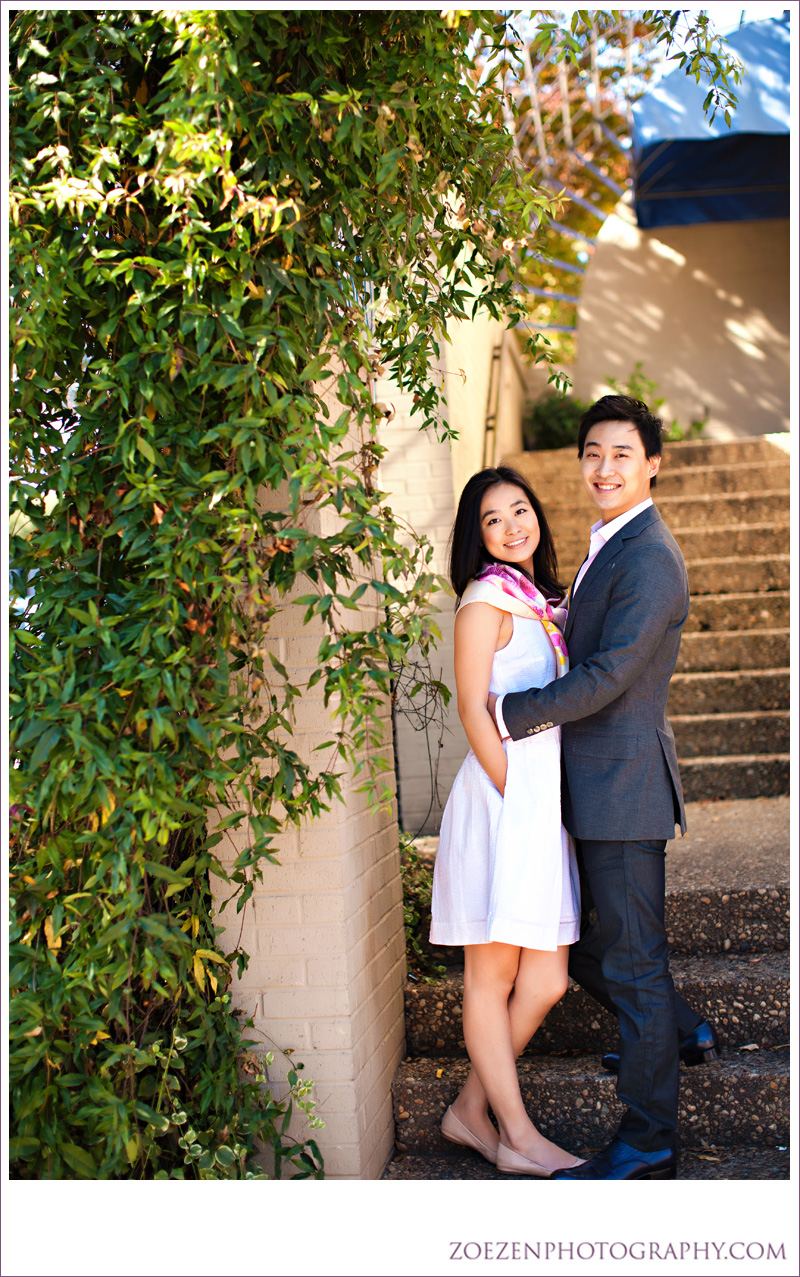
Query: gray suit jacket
(620, 775)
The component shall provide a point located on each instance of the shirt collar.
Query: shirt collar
(604, 531)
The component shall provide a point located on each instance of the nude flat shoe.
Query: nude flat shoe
(514, 1163)
(457, 1133)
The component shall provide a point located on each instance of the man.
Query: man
(621, 790)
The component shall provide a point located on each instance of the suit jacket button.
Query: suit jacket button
(530, 731)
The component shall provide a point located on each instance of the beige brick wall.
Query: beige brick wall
(325, 933)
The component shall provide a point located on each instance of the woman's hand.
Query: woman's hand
(477, 631)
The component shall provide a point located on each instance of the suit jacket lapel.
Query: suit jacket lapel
(604, 556)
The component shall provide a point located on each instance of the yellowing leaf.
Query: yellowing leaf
(123, 692)
(175, 362)
(34, 1033)
(211, 956)
(199, 973)
(105, 812)
(53, 941)
(150, 412)
(94, 823)
(99, 1035)
(142, 93)
(256, 290)
(212, 979)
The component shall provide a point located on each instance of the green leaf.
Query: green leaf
(79, 1160)
(45, 745)
(22, 1147)
(147, 1114)
(146, 450)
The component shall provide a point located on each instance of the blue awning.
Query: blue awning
(688, 170)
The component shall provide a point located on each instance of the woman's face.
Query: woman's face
(509, 527)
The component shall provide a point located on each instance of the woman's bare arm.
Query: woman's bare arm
(477, 630)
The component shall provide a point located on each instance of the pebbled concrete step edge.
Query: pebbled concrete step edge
(751, 541)
(735, 691)
(767, 476)
(746, 998)
(734, 776)
(695, 452)
(707, 1161)
(756, 573)
(727, 734)
(741, 1099)
(733, 650)
(707, 920)
(728, 612)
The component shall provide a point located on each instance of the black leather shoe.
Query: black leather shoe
(621, 1161)
(698, 1047)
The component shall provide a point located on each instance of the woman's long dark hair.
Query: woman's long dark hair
(468, 554)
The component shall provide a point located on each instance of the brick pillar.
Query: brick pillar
(424, 479)
(417, 473)
(326, 939)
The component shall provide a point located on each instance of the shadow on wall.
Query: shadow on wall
(706, 310)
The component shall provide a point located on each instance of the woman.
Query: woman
(505, 883)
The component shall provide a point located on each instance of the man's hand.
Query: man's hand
(491, 702)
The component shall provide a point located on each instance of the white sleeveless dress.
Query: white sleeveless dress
(505, 868)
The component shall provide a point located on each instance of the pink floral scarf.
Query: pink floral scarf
(510, 590)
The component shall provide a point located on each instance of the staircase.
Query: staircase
(727, 505)
(728, 880)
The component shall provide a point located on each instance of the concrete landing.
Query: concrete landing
(735, 844)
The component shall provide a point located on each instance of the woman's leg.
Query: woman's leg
(507, 993)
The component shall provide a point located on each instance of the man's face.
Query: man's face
(615, 471)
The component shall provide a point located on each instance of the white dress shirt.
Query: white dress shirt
(601, 533)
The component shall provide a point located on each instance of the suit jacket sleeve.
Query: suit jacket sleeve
(647, 596)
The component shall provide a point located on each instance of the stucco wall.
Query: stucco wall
(706, 310)
(470, 350)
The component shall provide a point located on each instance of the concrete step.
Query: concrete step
(733, 650)
(709, 1161)
(745, 997)
(727, 879)
(768, 476)
(721, 509)
(734, 691)
(741, 1099)
(675, 481)
(770, 537)
(757, 573)
(712, 452)
(558, 462)
(754, 541)
(734, 775)
(752, 611)
(754, 732)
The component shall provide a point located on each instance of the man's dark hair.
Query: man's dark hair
(625, 408)
(468, 554)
